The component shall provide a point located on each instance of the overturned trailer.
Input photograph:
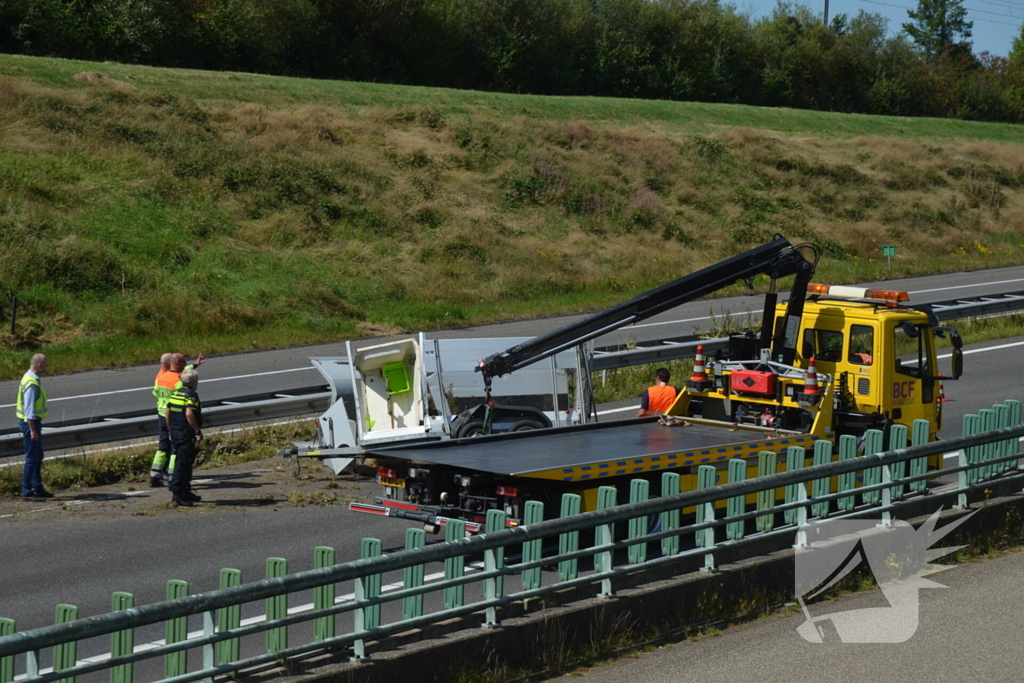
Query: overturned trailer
(421, 390)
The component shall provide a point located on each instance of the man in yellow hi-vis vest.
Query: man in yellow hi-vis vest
(31, 409)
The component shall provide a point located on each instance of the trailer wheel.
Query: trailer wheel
(471, 428)
(526, 425)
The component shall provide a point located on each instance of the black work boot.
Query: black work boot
(181, 501)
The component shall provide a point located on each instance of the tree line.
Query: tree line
(693, 50)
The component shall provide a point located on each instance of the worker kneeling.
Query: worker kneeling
(185, 423)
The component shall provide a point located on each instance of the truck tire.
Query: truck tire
(471, 428)
(526, 425)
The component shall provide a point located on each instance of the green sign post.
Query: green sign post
(889, 250)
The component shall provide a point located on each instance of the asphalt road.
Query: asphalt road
(97, 393)
(969, 631)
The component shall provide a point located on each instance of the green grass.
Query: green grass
(220, 89)
(147, 210)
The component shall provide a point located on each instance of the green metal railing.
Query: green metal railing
(988, 450)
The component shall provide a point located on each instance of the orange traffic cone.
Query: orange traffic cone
(942, 394)
(699, 373)
(811, 394)
(699, 379)
(811, 384)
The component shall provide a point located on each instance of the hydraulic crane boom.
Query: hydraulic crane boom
(776, 259)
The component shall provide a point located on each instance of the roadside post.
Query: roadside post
(889, 250)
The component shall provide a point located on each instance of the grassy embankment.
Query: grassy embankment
(147, 209)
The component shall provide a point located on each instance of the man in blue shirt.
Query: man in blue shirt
(30, 410)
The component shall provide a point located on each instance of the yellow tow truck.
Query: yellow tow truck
(831, 361)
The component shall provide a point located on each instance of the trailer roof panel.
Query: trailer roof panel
(615, 445)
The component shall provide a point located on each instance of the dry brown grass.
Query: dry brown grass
(324, 220)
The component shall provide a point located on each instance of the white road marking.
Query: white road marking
(687, 320)
(617, 410)
(994, 348)
(980, 284)
(990, 348)
(150, 388)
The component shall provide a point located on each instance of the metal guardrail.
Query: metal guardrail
(115, 428)
(889, 483)
(608, 360)
(981, 305)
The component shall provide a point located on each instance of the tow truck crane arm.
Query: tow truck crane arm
(777, 259)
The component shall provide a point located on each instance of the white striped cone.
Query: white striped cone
(699, 373)
(811, 383)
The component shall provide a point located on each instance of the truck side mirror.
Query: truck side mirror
(958, 354)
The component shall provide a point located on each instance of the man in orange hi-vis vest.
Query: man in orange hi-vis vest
(168, 378)
(658, 398)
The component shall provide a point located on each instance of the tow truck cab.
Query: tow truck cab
(882, 356)
(877, 359)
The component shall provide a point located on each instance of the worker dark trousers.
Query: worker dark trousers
(31, 473)
(185, 448)
(164, 448)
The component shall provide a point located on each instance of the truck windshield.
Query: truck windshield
(912, 350)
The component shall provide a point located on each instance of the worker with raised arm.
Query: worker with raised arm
(658, 398)
(30, 410)
(184, 417)
(167, 380)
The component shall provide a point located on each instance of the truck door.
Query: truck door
(912, 380)
(863, 374)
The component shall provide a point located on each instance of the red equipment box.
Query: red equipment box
(753, 382)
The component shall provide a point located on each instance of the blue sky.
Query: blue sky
(996, 22)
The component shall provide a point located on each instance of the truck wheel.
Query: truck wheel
(471, 428)
(526, 425)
